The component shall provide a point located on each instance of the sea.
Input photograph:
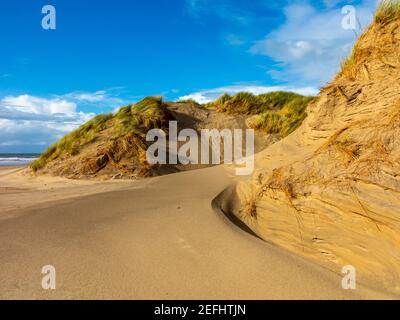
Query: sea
(17, 159)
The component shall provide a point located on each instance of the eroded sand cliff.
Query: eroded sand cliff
(331, 190)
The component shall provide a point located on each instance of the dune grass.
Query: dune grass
(387, 11)
(348, 67)
(275, 112)
(71, 143)
(283, 120)
(249, 104)
(137, 118)
(191, 102)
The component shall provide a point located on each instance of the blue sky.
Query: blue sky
(106, 54)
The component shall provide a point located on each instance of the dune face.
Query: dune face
(111, 145)
(331, 190)
(114, 146)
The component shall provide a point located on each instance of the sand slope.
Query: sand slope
(161, 240)
(330, 191)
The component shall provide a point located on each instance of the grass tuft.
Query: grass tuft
(275, 112)
(285, 120)
(349, 67)
(387, 11)
(137, 119)
(247, 103)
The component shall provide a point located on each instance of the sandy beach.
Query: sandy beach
(158, 238)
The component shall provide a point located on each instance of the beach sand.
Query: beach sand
(20, 190)
(158, 238)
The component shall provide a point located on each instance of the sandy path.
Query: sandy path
(142, 243)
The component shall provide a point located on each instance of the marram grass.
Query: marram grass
(275, 112)
(387, 11)
(137, 118)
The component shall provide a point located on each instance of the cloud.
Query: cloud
(88, 97)
(310, 45)
(234, 40)
(28, 136)
(36, 105)
(220, 8)
(109, 98)
(29, 123)
(209, 95)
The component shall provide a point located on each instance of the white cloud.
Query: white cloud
(310, 45)
(29, 123)
(88, 96)
(234, 40)
(108, 98)
(36, 105)
(205, 96)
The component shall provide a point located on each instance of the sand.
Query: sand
(158, 238)
(330, 190)
(20, 190)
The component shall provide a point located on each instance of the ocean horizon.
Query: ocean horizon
(17, 159)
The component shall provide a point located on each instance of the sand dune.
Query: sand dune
(330, 190)
(157, 239)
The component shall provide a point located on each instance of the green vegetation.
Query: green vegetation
(247, 103)
(137, 118)
(192, 102)
(72, 142)
(388, 11)
(275, 112)
(285, 120)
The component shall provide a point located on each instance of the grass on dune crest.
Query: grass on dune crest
(275, 112)
(387, 11)
(190, 102)
(282, 121)
(249, 104)
(348, 67)
(71, 143)
(137, 119)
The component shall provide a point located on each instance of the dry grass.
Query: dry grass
(349, 67)
(191, 102)
(250, 210)
(388, 11)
